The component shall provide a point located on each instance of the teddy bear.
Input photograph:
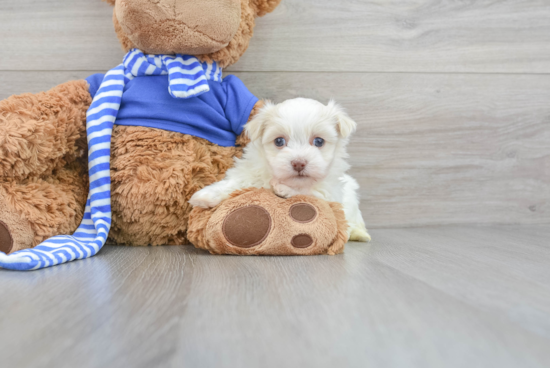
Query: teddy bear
(66, 167)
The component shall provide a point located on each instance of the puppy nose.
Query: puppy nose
(299, 165)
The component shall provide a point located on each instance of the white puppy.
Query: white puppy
(297, 147)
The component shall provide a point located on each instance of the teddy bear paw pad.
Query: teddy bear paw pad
(303, 212)
(6, 241)
(247, 226)
(301, 241)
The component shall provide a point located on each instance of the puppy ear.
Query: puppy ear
(112, 2)
(255, 127)
(346, 125)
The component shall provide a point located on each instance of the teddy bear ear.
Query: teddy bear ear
(112, 2)
(262, 7)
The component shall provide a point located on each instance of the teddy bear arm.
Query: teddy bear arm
(42, 132)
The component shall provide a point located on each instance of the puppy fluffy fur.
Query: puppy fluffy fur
(297, 147)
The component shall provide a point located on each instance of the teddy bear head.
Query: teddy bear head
(212, 30)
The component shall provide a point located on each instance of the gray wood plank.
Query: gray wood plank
(57, 35)
(486, 268)
(431, 148)
(313, 35)
(15, 83)
(403, 36)
(426, 297)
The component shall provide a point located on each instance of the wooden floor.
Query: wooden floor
(418, 297)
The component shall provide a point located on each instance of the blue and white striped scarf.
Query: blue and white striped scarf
(188, 78)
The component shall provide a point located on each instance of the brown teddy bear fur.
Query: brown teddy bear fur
(238, 44)
(154, 173)
(43, 162)
(43, 175)
(327, 229)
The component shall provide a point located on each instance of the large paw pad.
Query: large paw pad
(247, 227)
(6, 240)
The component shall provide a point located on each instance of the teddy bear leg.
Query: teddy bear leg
(153, 175)
(15, 231)
(42, 163)
(257, 222)
(36, 209)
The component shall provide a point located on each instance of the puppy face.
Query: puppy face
(300, 138)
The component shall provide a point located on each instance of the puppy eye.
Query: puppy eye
(280, 142)
(319, 142)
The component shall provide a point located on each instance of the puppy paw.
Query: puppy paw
(205, 198)
(359, 233)
(282, 190)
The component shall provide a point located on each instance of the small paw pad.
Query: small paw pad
(301, 241)
(303, 212)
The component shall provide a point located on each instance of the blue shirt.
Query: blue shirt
(217, 116)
